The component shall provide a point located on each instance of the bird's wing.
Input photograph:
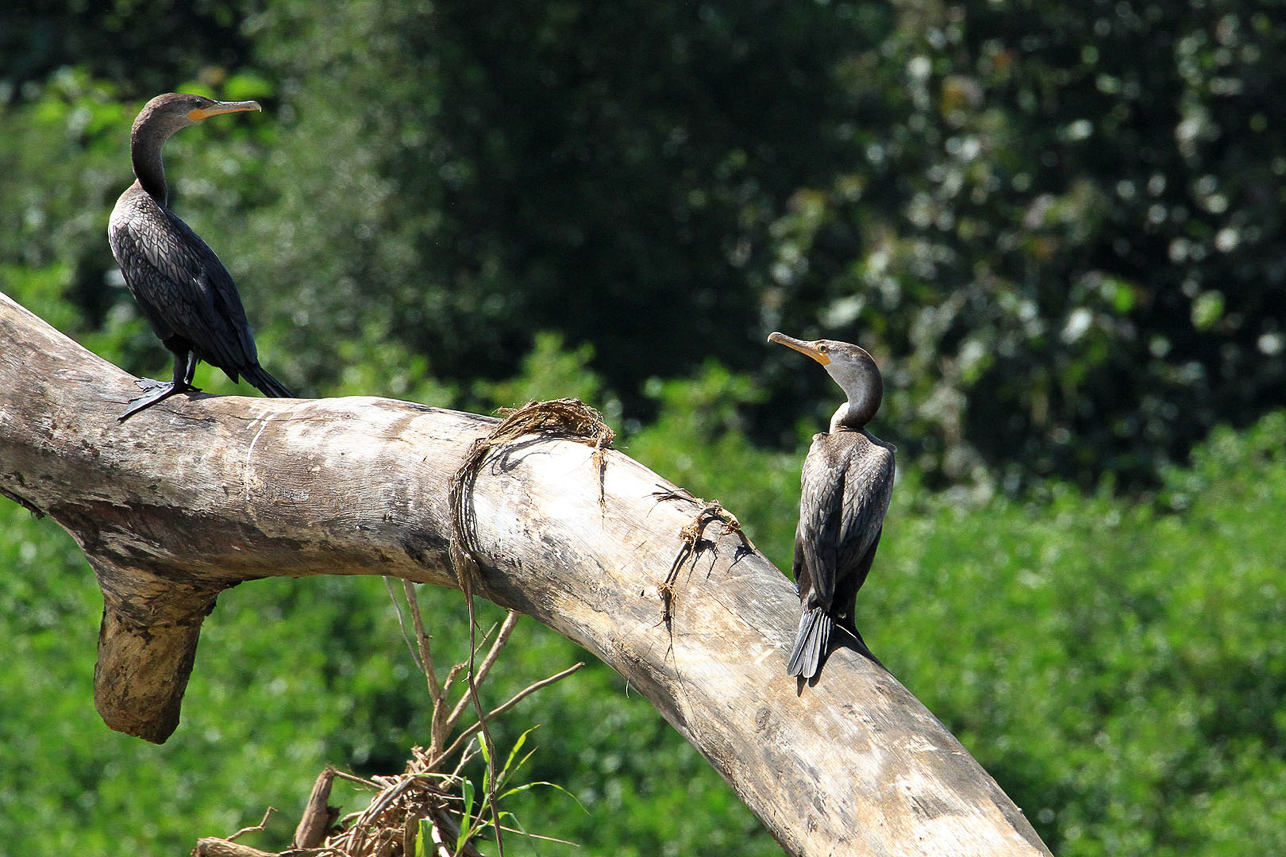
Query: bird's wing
(151, 288)
(222, 317)
(820, 520)
(181, 283)
(868, 486)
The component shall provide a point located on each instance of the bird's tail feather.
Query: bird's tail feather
(810, 642)
(265, 383)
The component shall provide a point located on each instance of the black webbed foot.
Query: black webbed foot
(150, 384)
(158, 391)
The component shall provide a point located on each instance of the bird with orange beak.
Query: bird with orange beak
(847, 481)
(183, 290)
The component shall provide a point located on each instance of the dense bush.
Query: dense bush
(1114, 664)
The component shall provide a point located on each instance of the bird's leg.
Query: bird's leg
(188, 372)
(184, 367)
(150, 384)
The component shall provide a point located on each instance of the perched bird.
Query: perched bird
(847, 482)
(182, 288)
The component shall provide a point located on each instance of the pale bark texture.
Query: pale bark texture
(200, 493)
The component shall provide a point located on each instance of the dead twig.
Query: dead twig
(506, 629)
(423, 638)
(258, 828)
(501, 709)
(213, 846)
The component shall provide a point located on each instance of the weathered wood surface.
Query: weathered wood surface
(200, 493)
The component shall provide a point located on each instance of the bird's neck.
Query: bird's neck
(863, 389)
(859, 410)
(846, 419)
(145, 152)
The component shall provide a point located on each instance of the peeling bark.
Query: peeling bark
(200, 493)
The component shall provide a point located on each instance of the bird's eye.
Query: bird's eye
(823, 348)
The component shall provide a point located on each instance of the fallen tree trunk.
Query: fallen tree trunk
(201, 493)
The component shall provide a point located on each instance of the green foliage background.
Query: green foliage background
(1057, 225)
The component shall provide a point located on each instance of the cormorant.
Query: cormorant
(847, 481)
(182, 288)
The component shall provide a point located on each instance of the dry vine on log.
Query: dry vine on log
(201, 493)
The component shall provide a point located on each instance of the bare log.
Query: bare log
(201, 493)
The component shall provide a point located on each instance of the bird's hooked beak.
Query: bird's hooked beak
(220, 107)
(801, 346)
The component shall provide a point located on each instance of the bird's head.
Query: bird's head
(174, 111)
(851, 367)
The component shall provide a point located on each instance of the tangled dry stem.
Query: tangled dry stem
(693, 541)
(564, 419)
(418, 802)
